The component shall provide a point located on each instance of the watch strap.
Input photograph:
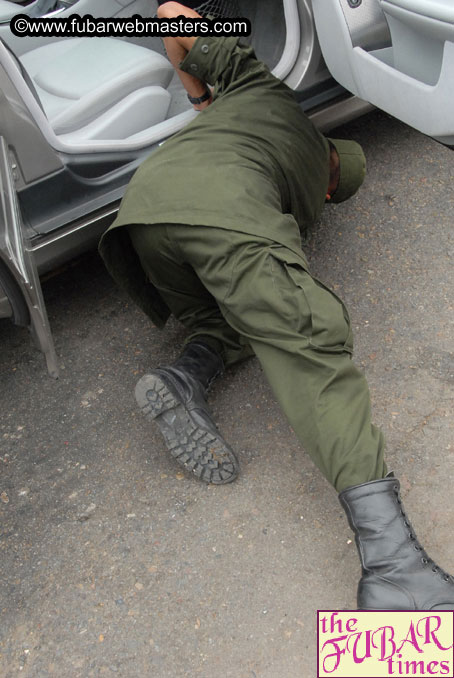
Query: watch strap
(200, 100)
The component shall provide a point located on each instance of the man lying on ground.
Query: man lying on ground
(209, 230)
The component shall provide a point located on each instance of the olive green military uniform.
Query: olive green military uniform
(209, 230)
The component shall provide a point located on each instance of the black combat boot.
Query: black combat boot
(175, 396)
(397, 574)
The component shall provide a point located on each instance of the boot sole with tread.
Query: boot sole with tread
(199, 451)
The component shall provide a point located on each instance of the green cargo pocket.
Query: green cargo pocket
(321, 316)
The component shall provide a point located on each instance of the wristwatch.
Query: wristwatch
(200, 100)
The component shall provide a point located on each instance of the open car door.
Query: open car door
(18, 274)
(396, 54)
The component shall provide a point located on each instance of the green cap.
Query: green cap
(352, 168)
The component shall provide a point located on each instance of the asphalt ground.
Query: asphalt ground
(115, 563)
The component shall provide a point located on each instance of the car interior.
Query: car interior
(99, 94)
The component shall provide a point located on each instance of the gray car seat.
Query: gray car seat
(99, 88)
(8, 9)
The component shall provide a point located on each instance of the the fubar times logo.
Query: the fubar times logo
(357, 644)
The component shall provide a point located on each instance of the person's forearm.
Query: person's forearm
(177, 49)
(176, 53)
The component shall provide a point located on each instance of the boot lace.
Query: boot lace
(417, 546)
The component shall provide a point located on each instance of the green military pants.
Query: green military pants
(239, 290)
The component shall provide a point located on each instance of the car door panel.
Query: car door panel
(412, 77)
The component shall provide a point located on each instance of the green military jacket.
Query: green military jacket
(251, 162)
